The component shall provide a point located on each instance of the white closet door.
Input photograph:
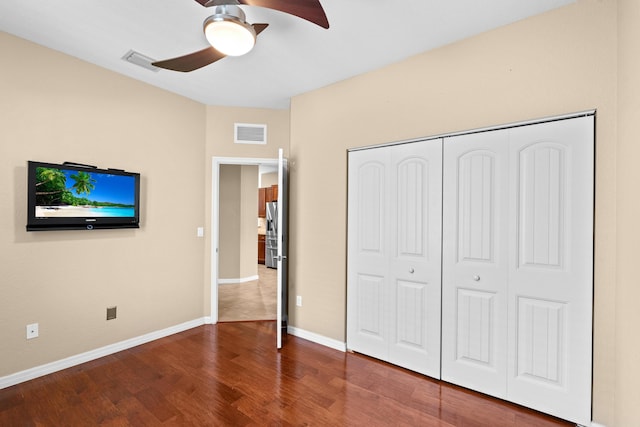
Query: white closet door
(474, 303)
(415, 259)
(368, 252)
(550, 267)
(394, 263)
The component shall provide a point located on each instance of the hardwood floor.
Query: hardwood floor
(255, 300)
(230, 374)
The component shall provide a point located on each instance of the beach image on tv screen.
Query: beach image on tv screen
(71, 193)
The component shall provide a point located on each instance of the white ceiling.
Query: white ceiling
(291, 57)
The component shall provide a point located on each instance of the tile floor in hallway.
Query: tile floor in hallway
(255, 300)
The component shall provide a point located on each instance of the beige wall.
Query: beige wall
(249, 217)
(219, 143)
(229, 255)
(627, 368)
(559, 62)
(56, 108)
(269, 179)
(238, 254)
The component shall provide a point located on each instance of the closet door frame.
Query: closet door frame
(515, 384)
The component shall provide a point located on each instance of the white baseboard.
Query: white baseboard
(240, 280)
(38, 371)
(317, 338)
(594, 424)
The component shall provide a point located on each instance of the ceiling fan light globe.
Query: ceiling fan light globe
(230, 37)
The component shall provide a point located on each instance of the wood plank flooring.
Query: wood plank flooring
(230, 374)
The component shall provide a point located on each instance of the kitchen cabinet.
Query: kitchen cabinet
(262, 199)
(271, 194)
(261, 248)
(266, 195)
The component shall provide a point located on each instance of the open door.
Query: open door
(282, 234)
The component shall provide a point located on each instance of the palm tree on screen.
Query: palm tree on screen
(83, 182)
(50, 185)
(53, 177)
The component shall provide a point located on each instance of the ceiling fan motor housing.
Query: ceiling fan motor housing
(228, 23)
(227, 12)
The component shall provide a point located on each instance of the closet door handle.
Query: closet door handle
(476, 278)
(411, 270)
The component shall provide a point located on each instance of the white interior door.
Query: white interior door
(517, 261)
(368, 252)
(282, 234)
(518, 265)
(474, 304)
(414, 295)
(551, 267)
(394, 238)
(474, 352)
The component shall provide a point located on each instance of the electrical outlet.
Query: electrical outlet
(32, 331)
(299, 300)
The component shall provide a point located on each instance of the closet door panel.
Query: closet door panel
(550, 271)
(542, 203)
(474, 282)
(475, 327)
(368, 252)
(415, 260)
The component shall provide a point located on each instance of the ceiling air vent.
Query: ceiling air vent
(140, 60)
(246, 133)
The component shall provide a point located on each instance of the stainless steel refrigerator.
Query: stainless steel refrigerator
(271, 236)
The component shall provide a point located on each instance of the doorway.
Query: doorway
(241, 289)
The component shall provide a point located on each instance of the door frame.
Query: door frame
(215, 217)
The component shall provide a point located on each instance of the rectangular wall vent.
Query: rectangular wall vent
(140, 60)
(246, 133)
(111, 312)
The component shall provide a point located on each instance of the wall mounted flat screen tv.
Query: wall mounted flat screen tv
(72, 196)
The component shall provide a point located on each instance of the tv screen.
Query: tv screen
(74, 196)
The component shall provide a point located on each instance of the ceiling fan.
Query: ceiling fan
(230, 35)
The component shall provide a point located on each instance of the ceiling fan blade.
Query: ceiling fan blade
(311, 10)
(199, 59)
(258, 28)
(192, 61)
